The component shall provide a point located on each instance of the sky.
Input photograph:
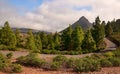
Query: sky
(55, 15)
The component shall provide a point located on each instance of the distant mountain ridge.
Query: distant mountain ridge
(83, 22)
(25, 30)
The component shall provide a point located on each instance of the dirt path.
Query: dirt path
(47, 57)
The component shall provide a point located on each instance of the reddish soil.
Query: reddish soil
(29, 70)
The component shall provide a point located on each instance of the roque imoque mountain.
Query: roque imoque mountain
(83, 22)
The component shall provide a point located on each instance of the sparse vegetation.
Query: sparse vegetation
(7, 66)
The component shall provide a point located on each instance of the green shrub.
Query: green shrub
(115, 61)
(79, 66)
(11, 48)
(3, 62)
(60, 58)
(45, 51)
(91, 64)
(105, 63)
(74, 52)
(3, 47)
(9, 55)
(21, 60)
(55, 52)
(16, 68)
(117, 52)
(96, 56)
(55, 65)
(108, 54)
(86, 65)
(70, 63)
(31, 60)
(7, 66)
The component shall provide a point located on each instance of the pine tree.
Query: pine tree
(89, 44)
(103, 29)
(109, 29)
(51, 44)
(7, 36)
(98, 33)
(44, 40)
(30, 41)
(57, 41)
(114, 27)
(77, 38)
(18, 38)
(67, 39)
(38, 42)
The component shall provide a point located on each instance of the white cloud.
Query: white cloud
(55, 15)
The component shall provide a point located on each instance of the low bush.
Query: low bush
(115, 61)
(108, 54)
(60, 58)
(55, 65)
(105, 63)
(97, 56)
(3, 47)
(7, 66)
(70, 63)
(16, 68)
(74, 52)
(117, 52)
(45, 51)
(3, 61)
(31, 60)
(79, 66)
(86, 65)
(9, 55)
(55, 52)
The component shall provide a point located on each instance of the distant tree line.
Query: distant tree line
(68, 40)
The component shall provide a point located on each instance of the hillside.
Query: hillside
(83, 22)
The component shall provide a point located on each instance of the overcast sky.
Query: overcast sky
(55, 15)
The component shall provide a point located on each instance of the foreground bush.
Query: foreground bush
(105, 63)
(31, 60)
(115, 61)
(60, 58)
(70, 63)
(16, 68)
(86, 65)
(7, 66)
(55, 65)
